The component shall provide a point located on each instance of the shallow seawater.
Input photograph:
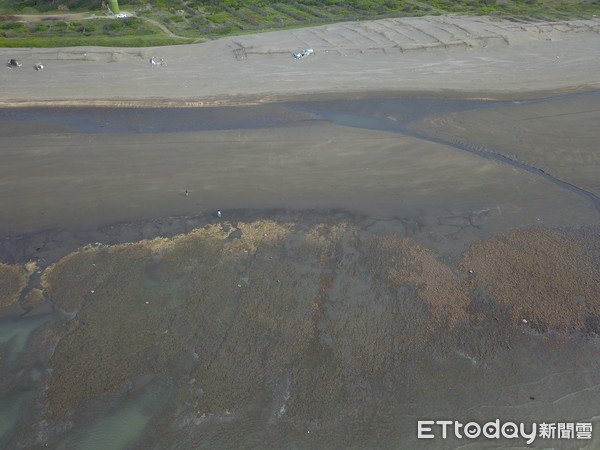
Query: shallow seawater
(14, 335)
(9, 405)
(422, 288)
(121, 426)
(20, 378)
(155, 120)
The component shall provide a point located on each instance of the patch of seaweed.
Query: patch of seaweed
(13, 280)
(548, 278)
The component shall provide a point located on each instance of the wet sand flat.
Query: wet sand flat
(558, 136)
(83, 180)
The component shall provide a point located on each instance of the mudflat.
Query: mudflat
(555, 136)
(314, 155)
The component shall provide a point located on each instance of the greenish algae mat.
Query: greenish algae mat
(263, 332)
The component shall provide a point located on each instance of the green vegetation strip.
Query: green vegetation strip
(107, 41)
(189, 20)
(130, 32)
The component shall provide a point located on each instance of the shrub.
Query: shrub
(132, 22)
(40, 27)
(86, 28)
(116, 25)
(16, 26)
(60, 26)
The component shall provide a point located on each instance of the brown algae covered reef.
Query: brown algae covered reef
(313, 320)
(12, 282)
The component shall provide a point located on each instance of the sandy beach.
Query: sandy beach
(409, 230)
(442, 55)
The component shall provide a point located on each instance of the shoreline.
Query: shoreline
(488, 95)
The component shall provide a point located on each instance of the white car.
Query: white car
(303, 53)
(121, 16)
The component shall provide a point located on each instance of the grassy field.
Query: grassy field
(53, 32)
(162, 22)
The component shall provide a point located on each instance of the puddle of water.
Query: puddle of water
(384, 113)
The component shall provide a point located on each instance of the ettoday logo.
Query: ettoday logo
(431, 429)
